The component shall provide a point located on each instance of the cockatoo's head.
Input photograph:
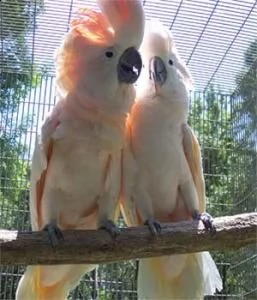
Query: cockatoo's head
(163, 72)
(99, 58)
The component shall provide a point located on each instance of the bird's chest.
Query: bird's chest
(81, 154)
(77, 137)
(160, 148)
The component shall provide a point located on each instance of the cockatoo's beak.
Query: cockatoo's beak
(129, 66)
(157, 70)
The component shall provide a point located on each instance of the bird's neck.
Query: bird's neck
(87, 110)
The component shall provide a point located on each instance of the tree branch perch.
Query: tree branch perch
(97, 246)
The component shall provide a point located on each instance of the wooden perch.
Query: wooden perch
(97, 246)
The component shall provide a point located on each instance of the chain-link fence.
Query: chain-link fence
(223, 114)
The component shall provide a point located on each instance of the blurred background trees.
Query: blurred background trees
(16, 81)
(227, 129)
(16, 77)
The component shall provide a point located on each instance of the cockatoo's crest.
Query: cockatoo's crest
(126, 18)
(159, 40)
(117, 19)
(93, 26)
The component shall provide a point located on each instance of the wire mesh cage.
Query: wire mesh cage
(218, 40)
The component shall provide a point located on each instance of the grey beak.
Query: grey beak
(129, 66)
(157, 70)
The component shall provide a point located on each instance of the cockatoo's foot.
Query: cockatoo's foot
(54, 233)
(110, 227)
(206, 219)
(154, 226)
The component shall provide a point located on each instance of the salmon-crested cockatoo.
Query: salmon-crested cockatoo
(162, 171)
(75, 179)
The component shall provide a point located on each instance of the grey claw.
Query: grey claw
(54, 234)
(206, 219)
(154, 226)
(110, 227)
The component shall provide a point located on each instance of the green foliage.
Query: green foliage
(16, 77)
(245, 132)
(244, 273)
(14, 181)
(211, 120)
(246, 93)
(230, 175)
(19, 17)
(16, 80)
(113, 282)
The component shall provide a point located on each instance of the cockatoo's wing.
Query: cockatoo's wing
(193, 155)
(211, 276)
(40, 162)
(128, 171)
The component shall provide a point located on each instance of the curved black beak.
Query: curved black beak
(157, 70)
(129, 66)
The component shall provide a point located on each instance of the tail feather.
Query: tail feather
(212, 279)
(171, 277)
(50, 282)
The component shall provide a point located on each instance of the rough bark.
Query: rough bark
(97, 246)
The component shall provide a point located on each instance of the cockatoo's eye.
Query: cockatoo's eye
(170, 62)
(109, 54)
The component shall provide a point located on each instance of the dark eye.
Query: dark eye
(170, 62)
(109, 54)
